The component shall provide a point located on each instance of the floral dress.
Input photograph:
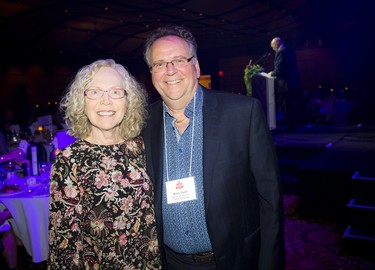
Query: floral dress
(101, 209)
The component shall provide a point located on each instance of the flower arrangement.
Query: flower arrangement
(249, 72)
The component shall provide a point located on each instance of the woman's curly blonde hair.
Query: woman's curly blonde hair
(73, 102)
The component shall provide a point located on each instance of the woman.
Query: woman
(101, 205)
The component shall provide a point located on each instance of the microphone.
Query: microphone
(263, 57)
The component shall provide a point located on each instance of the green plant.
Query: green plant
(249, 73)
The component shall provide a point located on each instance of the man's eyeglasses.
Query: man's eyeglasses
(161, 66)
(96, 93)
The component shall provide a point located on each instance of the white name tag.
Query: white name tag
(181, 190)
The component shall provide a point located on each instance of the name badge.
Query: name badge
(181, 190)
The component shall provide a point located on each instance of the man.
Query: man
(288, 85)
(212, 160)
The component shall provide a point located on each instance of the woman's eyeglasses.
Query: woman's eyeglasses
(96, 93)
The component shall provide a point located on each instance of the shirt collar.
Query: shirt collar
(189, 110)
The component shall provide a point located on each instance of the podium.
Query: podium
(263, 88)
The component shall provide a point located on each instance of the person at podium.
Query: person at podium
(288, 84)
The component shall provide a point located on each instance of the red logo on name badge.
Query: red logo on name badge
(179, 185)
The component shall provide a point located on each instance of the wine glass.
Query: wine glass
(44, 174)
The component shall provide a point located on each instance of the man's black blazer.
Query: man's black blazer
(242, 192)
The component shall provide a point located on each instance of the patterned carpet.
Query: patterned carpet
(315, 244)
(310, 245)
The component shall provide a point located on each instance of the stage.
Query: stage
(332, 171)
(318, 162)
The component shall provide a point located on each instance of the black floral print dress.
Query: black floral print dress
(101, 208)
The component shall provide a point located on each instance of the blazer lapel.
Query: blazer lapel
(211, 141)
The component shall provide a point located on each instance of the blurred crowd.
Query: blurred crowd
(327, 105)
(17, 125)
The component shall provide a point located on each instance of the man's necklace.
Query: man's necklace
(181, 120)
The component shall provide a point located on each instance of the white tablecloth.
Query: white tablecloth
(30, 215)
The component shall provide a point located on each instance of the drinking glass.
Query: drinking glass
(44, 174)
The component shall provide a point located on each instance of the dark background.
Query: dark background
(44, 43)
